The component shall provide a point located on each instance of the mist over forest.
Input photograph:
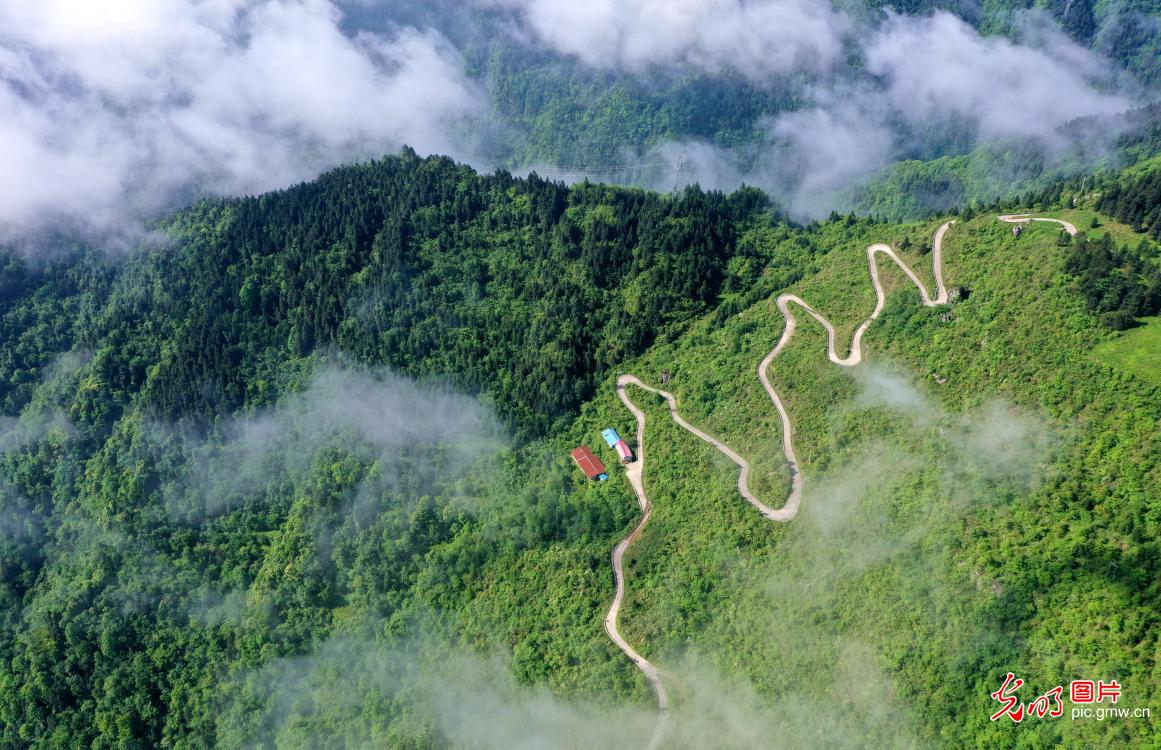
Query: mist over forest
(117, 115)
(331, 334)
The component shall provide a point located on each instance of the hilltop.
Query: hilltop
(233, 517)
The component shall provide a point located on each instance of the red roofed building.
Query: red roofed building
(589, 464)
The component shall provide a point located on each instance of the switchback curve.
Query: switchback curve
(635, 471)
(1026, 218)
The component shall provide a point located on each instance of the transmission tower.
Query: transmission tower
(680, 172)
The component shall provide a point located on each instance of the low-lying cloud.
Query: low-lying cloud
(113, 111)
(377, 416)
(757, 39)
(940, 67)
(925, 83)
(998, 441)
(934, 79)
(455, 697)
(115, 114)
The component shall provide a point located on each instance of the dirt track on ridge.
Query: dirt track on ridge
(635, 471)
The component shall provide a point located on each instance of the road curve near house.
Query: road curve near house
(1025, 218)
(635, 471)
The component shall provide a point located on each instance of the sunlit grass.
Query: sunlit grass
(1136, 351)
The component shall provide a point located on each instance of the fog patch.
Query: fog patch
(928, 86)
(379, 417)
(20, 520)
(827, 148)
(757, 39)
(19, 433)
(113, 113)
(885, 385)
(212, 608)
(717, 710)
(937, 74)
(1002, 441)
(468, 699)
(997, 440)
(43, 417)
(451, 695)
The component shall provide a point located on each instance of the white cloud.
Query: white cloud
(829, 147)
(940, 66)
(758, 38)
(377, 415)
(930, 72)
(111, 112)
(924, 80)
(109, 106)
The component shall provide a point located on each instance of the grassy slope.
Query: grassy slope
(934, 553)
(1082, 217)
(1136, 351)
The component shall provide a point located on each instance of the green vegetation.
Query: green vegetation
(953, 531)
(588, 121)
(224, 524)
(548, 112)
(522, 289)
(1119, 285)
(1022, 174)
(558, 113)
(1136, 203)
(1136, 351)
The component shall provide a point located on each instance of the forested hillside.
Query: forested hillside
(522, 289)
(573, 116)
(1137, 203)
(250, 497)
(980, 498)
(158, 463)
(1011, 170)
(631, 124)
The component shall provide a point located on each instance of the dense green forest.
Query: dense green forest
(1120, 285)
(523, 289)
(122, 372)
(297, 476)
(1013, 171)
(294, 472)
(1136, 203)
(547, 111)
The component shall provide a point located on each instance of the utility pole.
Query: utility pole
(680, 172)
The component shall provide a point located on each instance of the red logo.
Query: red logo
(1050, 704)
(1082, 691)
(1013, 709)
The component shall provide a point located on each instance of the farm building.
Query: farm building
(620, 446)
(589, 464)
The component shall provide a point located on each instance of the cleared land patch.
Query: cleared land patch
(1137, 351)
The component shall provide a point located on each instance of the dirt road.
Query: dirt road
(1025, 218)
(854, 356)
(635, 470)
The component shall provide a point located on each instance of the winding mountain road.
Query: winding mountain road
(635, 471)
(1025, 218)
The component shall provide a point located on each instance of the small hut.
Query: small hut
(589, 464)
